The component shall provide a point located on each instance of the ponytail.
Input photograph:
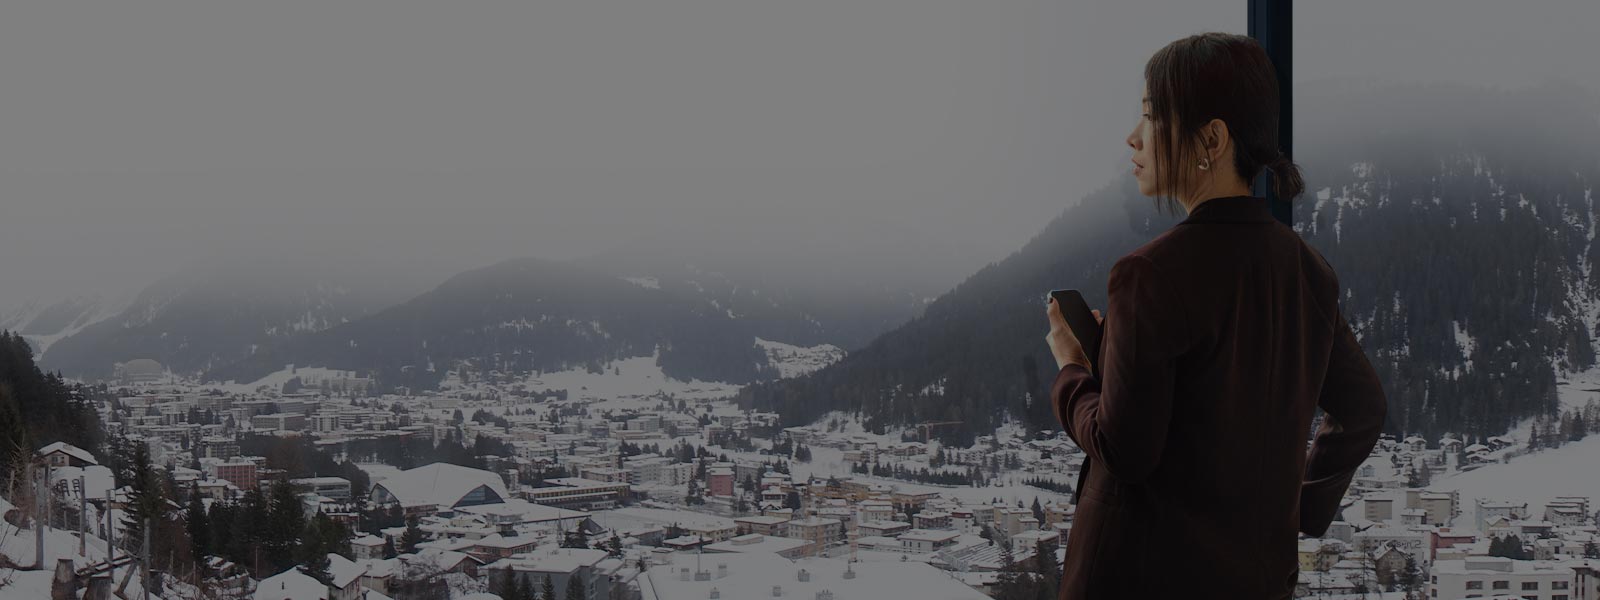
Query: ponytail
(1286, 182)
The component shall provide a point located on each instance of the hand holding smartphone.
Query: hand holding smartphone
(1082, 322)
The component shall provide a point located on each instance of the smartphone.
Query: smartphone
(1082, 322)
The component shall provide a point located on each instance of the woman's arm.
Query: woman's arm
(1353, 398)
(1121, 419)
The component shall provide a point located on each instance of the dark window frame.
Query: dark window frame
(1271, 23)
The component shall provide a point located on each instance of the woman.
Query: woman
(1221, 338)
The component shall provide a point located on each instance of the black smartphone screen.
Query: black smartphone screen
(1084, 326)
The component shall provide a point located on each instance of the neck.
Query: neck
(1230, 191)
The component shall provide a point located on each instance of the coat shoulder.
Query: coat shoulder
(1162, 249)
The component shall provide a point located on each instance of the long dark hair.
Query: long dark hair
(1209, 76)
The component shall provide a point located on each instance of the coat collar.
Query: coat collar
(1231, 209)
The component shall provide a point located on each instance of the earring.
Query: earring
(1205, 163)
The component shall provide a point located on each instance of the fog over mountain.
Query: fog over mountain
(889, 143)
(1464, 241)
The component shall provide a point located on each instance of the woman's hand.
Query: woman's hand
(1063, 344)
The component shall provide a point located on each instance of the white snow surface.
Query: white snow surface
(309, 376)
(1571, 470)
(648, 282)
(793, 361)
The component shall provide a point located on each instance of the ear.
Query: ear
(1214, 137)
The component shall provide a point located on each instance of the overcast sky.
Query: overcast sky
(924, 138)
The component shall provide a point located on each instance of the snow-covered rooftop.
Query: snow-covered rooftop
(756, 542)
(441, 484)
(291, 585)
(69, 450)
(754, 575)
(554, 560)
(343, 570)
(528, 512)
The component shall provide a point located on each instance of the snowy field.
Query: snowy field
(1576, 389)
(793, 361)
(1571, 470)
(309, 377)
(634, 379)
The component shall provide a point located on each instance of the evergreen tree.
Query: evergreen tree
(1509, 546)
(1411, 577)
(525, 589)
(574, 588)
(318, 567)
(15, 448)
(322, 536)
(413, 535)
(577, 538)
(511, 587)
(198, 524)
(285, 522)
(549, 588)
(146, 502)
(1009, 582)
(614, 546)
(249, 533)
(37, 408)
(220, 518)
(1048, 570)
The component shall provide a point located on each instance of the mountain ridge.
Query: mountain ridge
(1517, 309)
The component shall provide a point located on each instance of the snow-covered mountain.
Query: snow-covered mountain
(531, 315)
(797, 310)
(200, 319)
(1461, 222)
(242, 322)
(45, 323)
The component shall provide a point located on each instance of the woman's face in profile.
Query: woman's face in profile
(1143, 154)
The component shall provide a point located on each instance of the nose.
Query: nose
(1133, 139)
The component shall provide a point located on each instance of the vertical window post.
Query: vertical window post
(1272, 24)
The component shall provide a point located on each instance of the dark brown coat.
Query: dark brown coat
(1222, 337)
